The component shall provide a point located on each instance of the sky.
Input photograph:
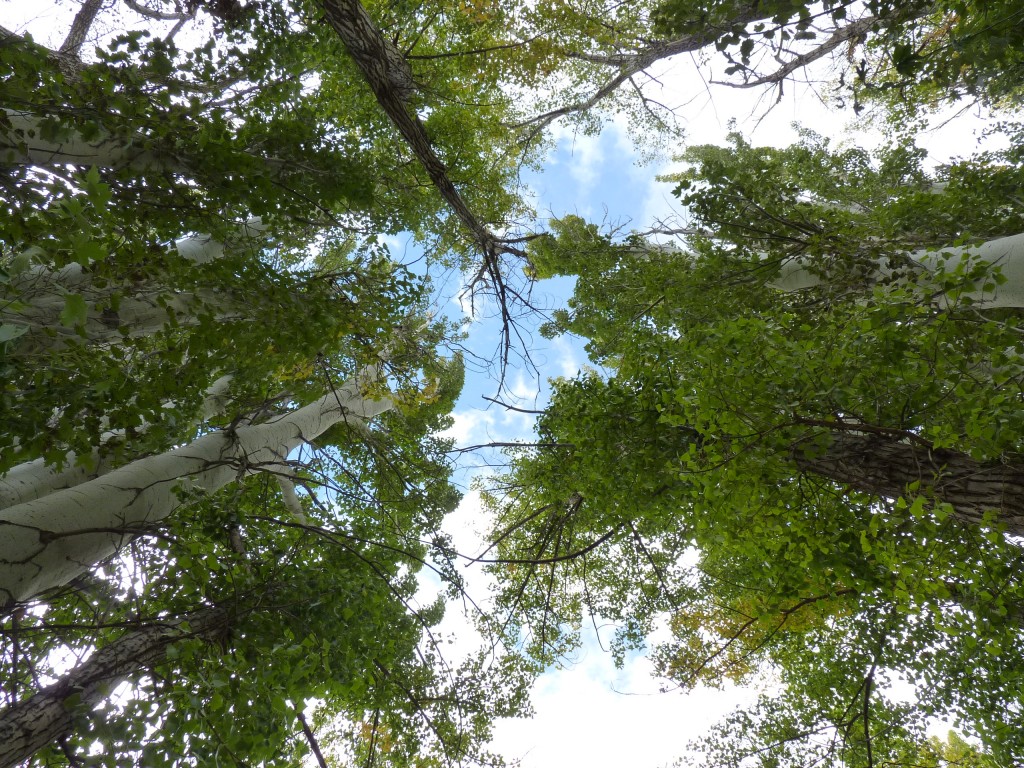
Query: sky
(587, 711)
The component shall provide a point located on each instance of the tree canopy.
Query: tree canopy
(220, 391)
(802, 446)
(220, 476)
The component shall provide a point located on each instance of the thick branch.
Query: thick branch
(80, 27)
(850, 32)
(149, 13)
(632, 64)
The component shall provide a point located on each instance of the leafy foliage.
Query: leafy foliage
(319, 606)
(693, 476)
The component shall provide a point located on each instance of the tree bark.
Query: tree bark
(47, 542)
(1006, 253)
(80, 27)
(38, 294)
(390, 78)
(50, 714)
(885, 467)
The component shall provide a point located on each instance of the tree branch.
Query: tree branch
(850, 32)
(80, 27)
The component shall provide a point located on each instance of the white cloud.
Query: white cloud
(471, 427)
(595, 715)
(569, 363)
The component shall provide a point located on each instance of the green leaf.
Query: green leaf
(10, 332)
(75, 311)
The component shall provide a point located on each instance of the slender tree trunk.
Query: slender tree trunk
(50, 714)
(47, 542)
(885, 467)
(390, 78)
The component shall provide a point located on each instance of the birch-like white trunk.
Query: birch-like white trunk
(35, 479)
(36, 299)
(23, 144)
(47, 542)
(27, 143)
(1006, 253)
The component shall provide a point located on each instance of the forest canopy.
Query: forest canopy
(223, 480)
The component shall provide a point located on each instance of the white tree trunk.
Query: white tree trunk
(1006, 253)
(35, 479)
(36, 297)
(23, 144)
(47, 542)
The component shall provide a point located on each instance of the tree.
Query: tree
(219, 398)
(802, 448)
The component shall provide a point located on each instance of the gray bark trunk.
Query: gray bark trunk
(50, 714)
(80, 27)
(390, 78)
(884, 467)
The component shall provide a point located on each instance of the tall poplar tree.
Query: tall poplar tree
(800, 449)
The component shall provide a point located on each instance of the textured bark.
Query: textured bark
(69, 65)
(50, 714)
(885, 467)
(80, 27)
(47, 542)
(390, 78)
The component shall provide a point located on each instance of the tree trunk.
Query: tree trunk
(390, 78)
(23, 144)
(1006, 253)
(80, 27)
(37, 298)
(885, 467)
(50, 714)
(47, 542)
(35, 479)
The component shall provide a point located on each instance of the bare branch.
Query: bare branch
(311, 739)
(630, 64)
(390, 78)
(150, 13)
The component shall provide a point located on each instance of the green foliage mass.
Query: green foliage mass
(265, 117)
(911, 54)
(691, 477)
